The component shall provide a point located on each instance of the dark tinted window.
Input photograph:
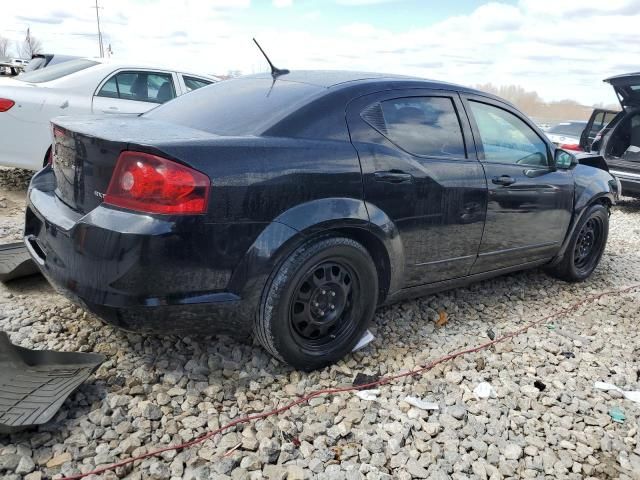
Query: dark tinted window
(140, 86)
(242, 106)
(507, 139)
(424, 125)
(193, 83)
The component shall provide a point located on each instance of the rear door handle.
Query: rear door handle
(505, 180)
(393, 176)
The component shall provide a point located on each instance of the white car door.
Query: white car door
(134, 91)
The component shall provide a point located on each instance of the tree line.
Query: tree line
(25, 49)
(534, 106)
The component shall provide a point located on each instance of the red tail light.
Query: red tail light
(6, 104)
(151, 184)
(571, 146)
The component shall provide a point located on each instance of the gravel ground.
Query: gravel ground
(155, 391)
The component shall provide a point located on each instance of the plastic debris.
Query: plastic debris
(491, 334)
(366, 339)
(363, 379)
(551, 326)
(421, 404)
(617, 415)
(573, 336)
(369, 395)
(634, 396)
(443, 318)
(568, 354)
(539, 385)
(484, 390)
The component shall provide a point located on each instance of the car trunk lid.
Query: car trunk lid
(627, 87)
(86, 149)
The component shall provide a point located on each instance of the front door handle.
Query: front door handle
(393, 176)
(504, 180)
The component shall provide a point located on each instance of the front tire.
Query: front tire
(318, 303)
(586, 246)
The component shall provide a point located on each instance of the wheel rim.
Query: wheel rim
(323, 304)
(589, 245)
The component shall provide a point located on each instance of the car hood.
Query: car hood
(627, 88)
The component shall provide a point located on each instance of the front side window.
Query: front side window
(507, 139)
(426, 126)
(193, 83)
(140, 86)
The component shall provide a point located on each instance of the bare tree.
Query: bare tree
(4, 47)
(30, 46)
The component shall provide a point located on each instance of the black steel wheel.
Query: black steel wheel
(318, 304)
(586, 246)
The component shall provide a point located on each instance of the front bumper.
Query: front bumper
(136, 271)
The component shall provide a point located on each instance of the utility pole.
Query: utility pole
(99, 32)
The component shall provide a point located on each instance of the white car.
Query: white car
(83, 86)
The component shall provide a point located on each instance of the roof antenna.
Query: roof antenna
(275, 71)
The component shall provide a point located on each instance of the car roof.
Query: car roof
(337, 78)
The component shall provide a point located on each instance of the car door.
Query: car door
(530, 201)
(134, 91)
(420, 168)
(599, 119)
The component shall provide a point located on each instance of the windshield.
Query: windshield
(573, 129)
(245, 106)
(55, 72)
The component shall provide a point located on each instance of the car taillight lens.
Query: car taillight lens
(6, 104)
(571, 146)
(152, 184)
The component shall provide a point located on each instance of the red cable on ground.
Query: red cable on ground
(381, 381)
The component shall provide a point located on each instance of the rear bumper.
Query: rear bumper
(138, 272)
(630, 182)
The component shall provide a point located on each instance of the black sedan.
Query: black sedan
(292, 206)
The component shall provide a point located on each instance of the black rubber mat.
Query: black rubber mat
(15, 262)
(35, 383)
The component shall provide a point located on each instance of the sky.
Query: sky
(562, 49)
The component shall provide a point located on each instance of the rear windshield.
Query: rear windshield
(244, 106)
(56, 71)
(573, 129)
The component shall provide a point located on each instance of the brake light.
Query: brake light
(151, 184)
(6, 104)
(571, 146)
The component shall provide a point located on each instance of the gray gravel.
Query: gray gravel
(154, 391)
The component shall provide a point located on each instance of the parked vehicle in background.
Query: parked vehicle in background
(292, 205)
(566, 135)
(619, 141)
(600, 118)
(42, 60)
(11, 66)
(83, 86)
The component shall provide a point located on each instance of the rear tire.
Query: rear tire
(585, 248)
(318, 303)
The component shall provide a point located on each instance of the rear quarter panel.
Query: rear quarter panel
(26, 134)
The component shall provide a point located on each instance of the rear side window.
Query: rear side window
(151, 87)
(193, 83)
(425, 126)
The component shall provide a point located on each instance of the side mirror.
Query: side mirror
(564, 160)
